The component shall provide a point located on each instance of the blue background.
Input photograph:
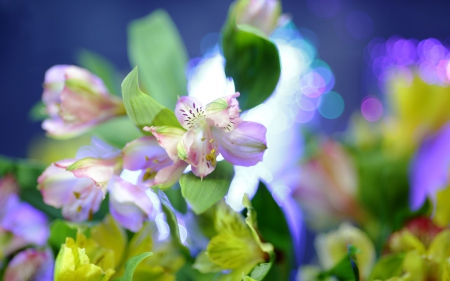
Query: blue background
(35, 35)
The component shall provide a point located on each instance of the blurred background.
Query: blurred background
(35, 35)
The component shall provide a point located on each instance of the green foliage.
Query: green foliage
(383, 188)
(101, 67)
(131, 265)
(156, 47)
(176, 198)
(275, 230)
(252, 60)
(118, 131)
(203, 193)
(26, 173)
(346, 269)
(387, 267)
(262, 270)
(141, 108)
(38, 112)
(59, 230)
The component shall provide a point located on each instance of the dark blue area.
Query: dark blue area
(35, 35)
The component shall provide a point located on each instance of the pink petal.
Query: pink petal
(169, 175)
(187, 110)
(54, 83)
(81, 107)
(201, 150)
(84, 201)
(245, 145)
(144, 153)
(56, 185)
(99, 170)
(168, 138)
(31, 264)
(129, 204)
(224, 112)
(57, 128)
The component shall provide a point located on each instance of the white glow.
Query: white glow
(163, 227)
(130, 176)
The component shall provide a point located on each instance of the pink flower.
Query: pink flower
(211, 130)
(262, 14)
(76, 100)
(32, 265)
(157, 166)
(327, 187)
(78, 186)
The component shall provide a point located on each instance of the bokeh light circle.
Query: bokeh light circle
(331, 105)
(371, 109)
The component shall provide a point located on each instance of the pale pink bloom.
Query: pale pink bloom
(158, 167)
(129, 204)
(79, 198)
(327, 187)
(78, 186)
(31, 265)
(211, 130)
(262, 14)
(76, 100)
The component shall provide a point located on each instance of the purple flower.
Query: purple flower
(20, 223)
(32, 265)
(211, 130)
(78, 186)
(429, 171)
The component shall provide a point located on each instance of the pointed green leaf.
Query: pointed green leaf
(155, 45)
(202, 194)
(346, 269)
(141, 108)
(101, 67)
(59, 230)
(131, 265)
(274, 228)
(252, 60)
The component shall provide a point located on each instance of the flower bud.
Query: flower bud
(262, 14)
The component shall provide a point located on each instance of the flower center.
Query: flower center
(194, 116)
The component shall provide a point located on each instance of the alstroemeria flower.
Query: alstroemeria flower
(83, 259)
(79, 185)
(236, 248)
(76, 100)
(31, 265)
(157, 166)
(327, 187)
(262, 14)
(211, 130)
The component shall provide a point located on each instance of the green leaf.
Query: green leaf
(131, 265)
(202, 194)
(59, 230)
(141, 108)
(172, 221)
(176, 198)
(101, 67)
(155, 45)
(346, 269)
(387, 267)
(252, 60)
(261, 270)
(275, 230)
(118, 131)
(38, 112)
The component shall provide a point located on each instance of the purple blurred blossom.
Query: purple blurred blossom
(429, 170)
(31, 265)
